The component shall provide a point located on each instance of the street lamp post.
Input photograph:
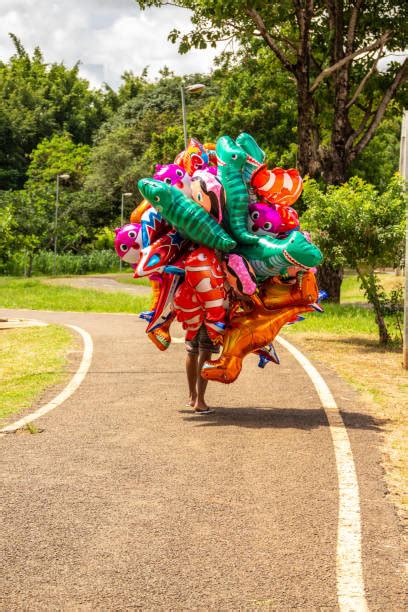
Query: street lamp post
(64, 177)
(195, 88)
(127, 194)
(403, 168)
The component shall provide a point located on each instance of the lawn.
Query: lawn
(31, 360)
(351, 292)
(33, 294)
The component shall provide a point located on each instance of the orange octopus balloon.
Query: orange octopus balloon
(276, 294)
(250, 331)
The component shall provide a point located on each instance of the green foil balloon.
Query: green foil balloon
(273, 256)
(231, 159)
(187, 217)
(255, 158)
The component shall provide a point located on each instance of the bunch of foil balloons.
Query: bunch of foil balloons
(221, 244)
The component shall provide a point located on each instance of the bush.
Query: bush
(68, 263)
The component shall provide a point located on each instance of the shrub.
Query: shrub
(67, 263)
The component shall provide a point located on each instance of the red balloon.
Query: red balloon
(201, 297)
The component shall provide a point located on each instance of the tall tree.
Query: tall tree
(331, 49)
(38, 99)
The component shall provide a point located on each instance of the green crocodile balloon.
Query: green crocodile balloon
(251, 147)
(189, 218)
(231, 159)
(255, 157)
(274, 256)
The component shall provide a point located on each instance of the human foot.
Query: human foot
(202, 408)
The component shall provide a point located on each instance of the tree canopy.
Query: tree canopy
(38, 99)
(331, 50)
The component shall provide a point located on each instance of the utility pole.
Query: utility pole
(403, 168)
(195, 88)
(64, 177)
(127, 194)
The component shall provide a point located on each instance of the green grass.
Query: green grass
(351, 292)
(31, 293)
(345, 319)
(338, 319)
(31, 359)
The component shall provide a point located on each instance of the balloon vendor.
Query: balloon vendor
(218, 238)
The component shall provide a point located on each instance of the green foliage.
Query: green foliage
(340, 95)
(252, 94)
(58, 155)
(379, 161)
(146, 130)
(356, 226)
(99, 261)
(30, 293)
(38, 99)
(6, 234)
(104, 239)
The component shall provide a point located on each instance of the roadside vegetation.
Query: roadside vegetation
(36, 295)
(32, 359)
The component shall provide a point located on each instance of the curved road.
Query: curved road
(129, 501)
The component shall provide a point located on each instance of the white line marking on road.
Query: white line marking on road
(71, 387)
(350, 582)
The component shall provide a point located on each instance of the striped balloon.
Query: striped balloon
(277, 186)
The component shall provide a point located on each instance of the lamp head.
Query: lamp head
(195, 88)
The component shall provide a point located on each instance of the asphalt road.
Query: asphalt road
(128, 501)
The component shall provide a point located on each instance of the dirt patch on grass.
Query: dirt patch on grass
(383, 385)
(99, 283)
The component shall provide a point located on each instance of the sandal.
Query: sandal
(205, 411)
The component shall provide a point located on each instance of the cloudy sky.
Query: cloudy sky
(108, 36)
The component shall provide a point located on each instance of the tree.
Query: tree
(147, 129)
(251, 93)
(7, 227)
(58, 155)
(38, 99)
(357, 226)
(330, 49)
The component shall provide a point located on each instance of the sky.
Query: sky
(107, 36)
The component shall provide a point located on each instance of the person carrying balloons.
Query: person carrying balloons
(218, 238)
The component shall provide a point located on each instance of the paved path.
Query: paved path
(128, 501)
(108, 284)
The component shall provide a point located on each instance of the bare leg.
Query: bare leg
(200, 404)
(192, 374)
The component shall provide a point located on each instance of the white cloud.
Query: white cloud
(107, 36)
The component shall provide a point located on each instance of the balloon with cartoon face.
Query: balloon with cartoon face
(208, 192)
(173, 174)
(128, 243)
(263, 219)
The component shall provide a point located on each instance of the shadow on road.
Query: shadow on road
(278, 418)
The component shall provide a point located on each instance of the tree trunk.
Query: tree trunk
(329, 279)
(308, 140)
(30, 265)
(371, 288)
(382, 328)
